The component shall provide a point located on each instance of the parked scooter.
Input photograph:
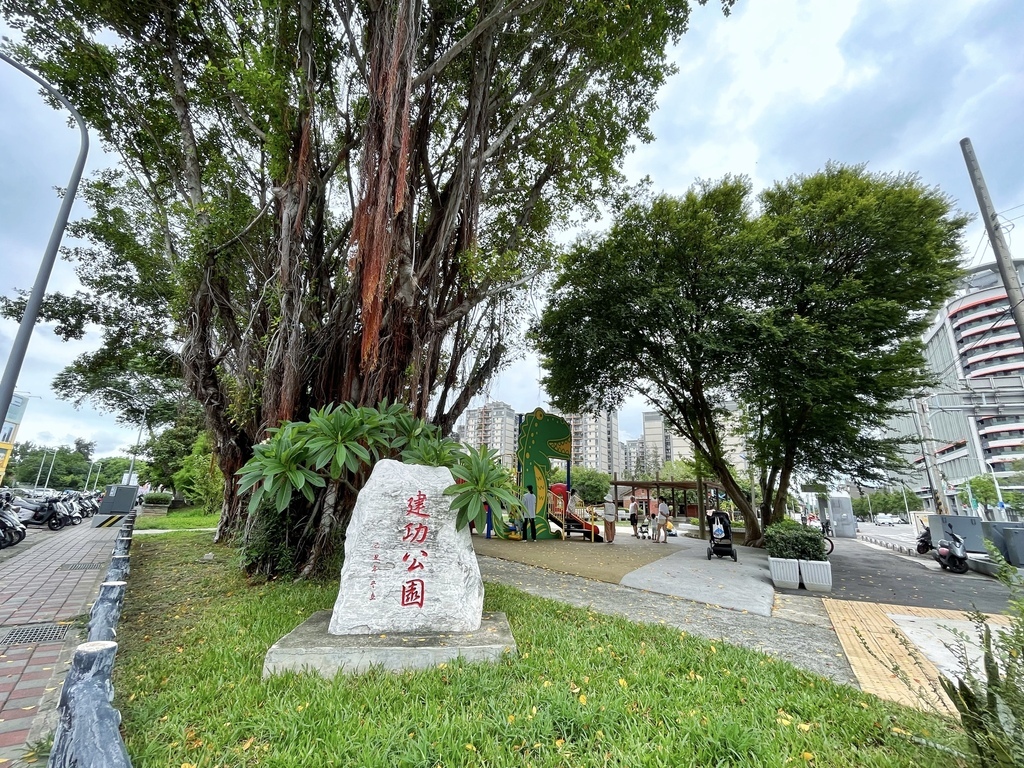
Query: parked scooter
(46, 512)
(70, 511)
(924, 541)
(951, 553)
(11, 529)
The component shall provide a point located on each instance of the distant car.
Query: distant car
(886, 520)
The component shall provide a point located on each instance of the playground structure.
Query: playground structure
(543, 437)
(569, 521)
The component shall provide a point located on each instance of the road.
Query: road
(868, 573)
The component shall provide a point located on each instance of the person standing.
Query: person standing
(661, 530)
(634, 516)
(529, 513)
(610, 513)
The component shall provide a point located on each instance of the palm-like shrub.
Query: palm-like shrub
(303, 479)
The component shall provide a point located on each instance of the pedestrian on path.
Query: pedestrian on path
(634, 516)
(610, 513)
(529, 513)
(660, 531)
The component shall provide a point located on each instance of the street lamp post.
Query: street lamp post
(93, 464)
(999, 491)
(35, 299)
(52, 462)
(145, 410)
(39, 474)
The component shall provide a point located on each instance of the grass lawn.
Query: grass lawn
(585, 690)
(177, 519)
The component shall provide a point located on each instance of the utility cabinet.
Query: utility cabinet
(118, 499)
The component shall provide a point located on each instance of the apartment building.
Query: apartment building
(595, 441)
(975, 413)
(494, 425)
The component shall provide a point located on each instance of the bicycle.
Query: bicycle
(826, 529)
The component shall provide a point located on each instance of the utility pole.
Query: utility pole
(1004, 261)
(928, 448)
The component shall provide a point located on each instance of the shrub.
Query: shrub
(199, 478)
(157, 499)
(789, 539)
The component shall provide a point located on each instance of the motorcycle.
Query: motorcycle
(11, 529)
(70, 512)
(46, 513)
(951, 553)
(924, 541)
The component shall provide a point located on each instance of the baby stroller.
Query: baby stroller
(645, 527)
(721, 536)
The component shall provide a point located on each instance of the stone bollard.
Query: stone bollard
(119, 568)
(122, 545)
(106, 611)
(87, 733)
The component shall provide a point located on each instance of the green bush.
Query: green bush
(199, 480)
(789, 539)
(157, 499)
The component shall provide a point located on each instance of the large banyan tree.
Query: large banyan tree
(338, 200)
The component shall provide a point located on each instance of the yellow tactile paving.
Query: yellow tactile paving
(881, 655)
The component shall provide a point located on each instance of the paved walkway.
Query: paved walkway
(47, 585)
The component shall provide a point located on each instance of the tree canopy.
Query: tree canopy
(336, 202)
(66, 467)
(591, 484)
(807, 313)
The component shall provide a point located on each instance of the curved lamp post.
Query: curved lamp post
(145, 410)
(35, 299)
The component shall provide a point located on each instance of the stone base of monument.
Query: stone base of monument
(309, 648)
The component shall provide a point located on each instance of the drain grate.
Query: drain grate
(80, 567)
(42, 633)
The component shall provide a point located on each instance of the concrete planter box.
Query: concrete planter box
(785, 572)
(155, 509)
(816, 575)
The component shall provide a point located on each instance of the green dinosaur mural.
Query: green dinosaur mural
(542, 437)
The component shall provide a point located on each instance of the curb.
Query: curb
(889, 545)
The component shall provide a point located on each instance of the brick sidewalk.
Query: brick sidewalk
(42, 589)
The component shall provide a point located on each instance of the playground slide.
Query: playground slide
(577, 523)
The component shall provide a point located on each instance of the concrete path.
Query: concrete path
(744, 585)
(46, 583)
(808, 645)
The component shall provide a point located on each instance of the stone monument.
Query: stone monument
(411, 594)
(407, 568)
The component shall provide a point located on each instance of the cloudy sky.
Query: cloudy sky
(779, 88)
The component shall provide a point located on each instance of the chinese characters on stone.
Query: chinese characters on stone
(416, 530)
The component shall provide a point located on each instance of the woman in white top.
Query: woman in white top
(661, 532)
(610, 513)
